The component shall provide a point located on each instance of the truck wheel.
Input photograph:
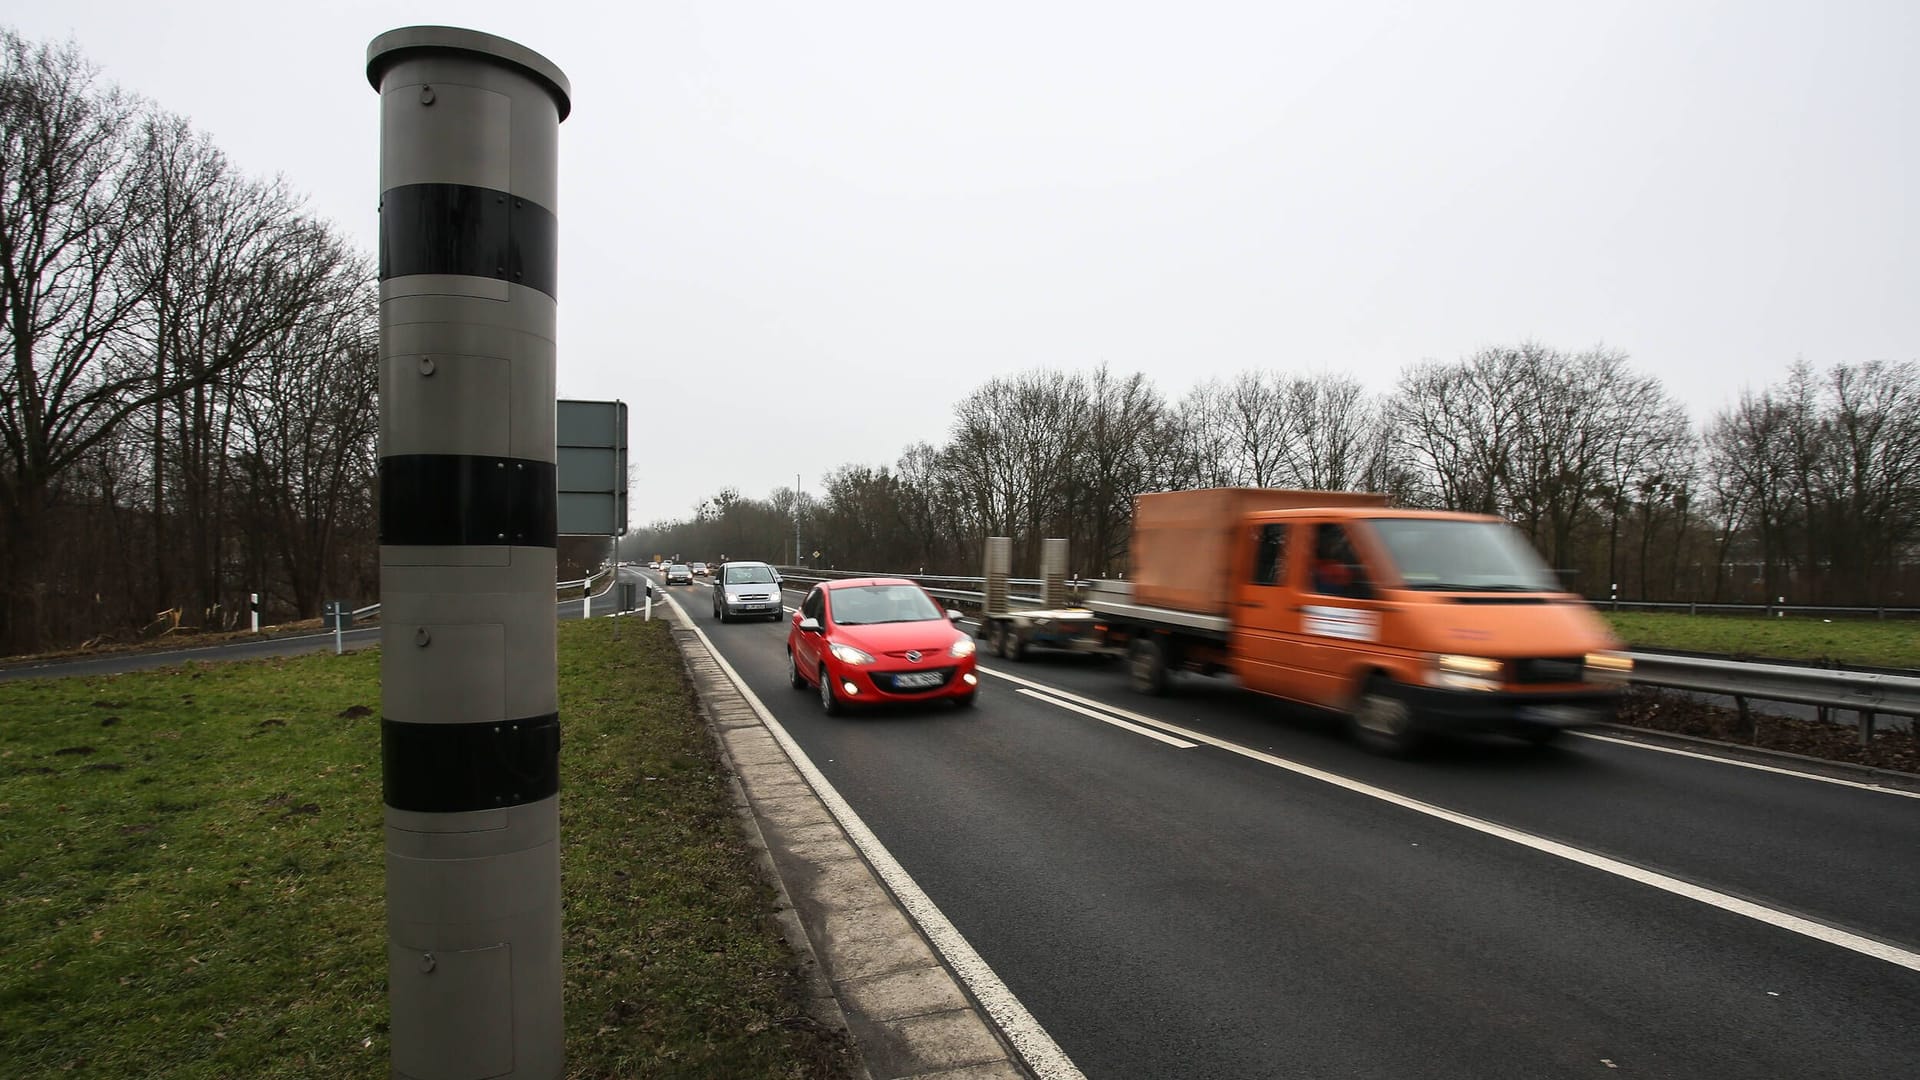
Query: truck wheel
(1147, 666)
(794, 678)
(1381, 720)
(997, 638)
(1016, 644)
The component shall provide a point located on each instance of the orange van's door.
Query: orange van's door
(1339, 615)
(1264, 619)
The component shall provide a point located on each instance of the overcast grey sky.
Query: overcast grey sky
(857, 213)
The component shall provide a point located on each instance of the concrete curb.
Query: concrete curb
(870, 970)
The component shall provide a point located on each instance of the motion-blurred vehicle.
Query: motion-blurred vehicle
(879, 640)
(746, 589)
(679, 574)
(700, 569)
(1410, 622)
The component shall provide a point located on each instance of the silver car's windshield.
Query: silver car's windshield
(1447, 555)
(747, 575)
(866, 604)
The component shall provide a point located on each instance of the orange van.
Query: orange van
(1410, 622)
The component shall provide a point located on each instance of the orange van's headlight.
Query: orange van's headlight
(1609, 667)
(1466, 672)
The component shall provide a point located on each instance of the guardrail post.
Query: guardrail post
(470, 720)
(1866, 727)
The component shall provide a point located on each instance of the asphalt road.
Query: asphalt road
(1274, 902)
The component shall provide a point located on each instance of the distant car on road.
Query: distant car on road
(653, 564)
(879, 640)
(679, 574)
(746, 588)
(700, 569)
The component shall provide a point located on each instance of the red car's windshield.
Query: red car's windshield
(865, 604)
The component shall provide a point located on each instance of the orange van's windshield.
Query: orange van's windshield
(1445, 555)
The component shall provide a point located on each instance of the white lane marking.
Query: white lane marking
(1114, 720)
(1747, 764)
(1832, 935)
(1041, 1053)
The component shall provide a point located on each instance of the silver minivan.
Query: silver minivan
(749, 589)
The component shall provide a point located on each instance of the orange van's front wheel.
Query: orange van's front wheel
(1382, 721)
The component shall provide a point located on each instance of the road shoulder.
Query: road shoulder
(872, 971)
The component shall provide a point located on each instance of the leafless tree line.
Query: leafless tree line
(188, 408)
(187, 402)
(1809, 491)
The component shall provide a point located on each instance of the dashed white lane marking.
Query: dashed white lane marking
(1124, 725)
(1036, 1047)
(1832, 935)
(1748, 765)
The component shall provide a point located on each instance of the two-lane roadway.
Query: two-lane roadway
(1212, 885)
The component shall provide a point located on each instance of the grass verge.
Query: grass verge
(194, 883)
(1867, 643)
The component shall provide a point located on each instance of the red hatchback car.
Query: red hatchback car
(879, 640)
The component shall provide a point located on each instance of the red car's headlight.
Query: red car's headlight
(847, 654)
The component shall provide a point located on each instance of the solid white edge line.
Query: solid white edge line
(1114, 720)
(1818, 931)
(1035, 1046)
(1876, 788)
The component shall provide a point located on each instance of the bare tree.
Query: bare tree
(308, 416)
(1460, 423)
(66, 179)
(1871, 471)
(1328, 426)
(1127, 449)
(1205, 454)
(1749, 449)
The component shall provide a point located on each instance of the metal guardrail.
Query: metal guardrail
(1691, 607)
(374, 608)
(1868, 694)
(974, 597)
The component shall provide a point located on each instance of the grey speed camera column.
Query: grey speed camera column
(469, 129)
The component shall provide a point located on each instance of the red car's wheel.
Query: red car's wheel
(829, 701)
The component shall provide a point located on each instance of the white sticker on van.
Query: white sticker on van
(1350, 624)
